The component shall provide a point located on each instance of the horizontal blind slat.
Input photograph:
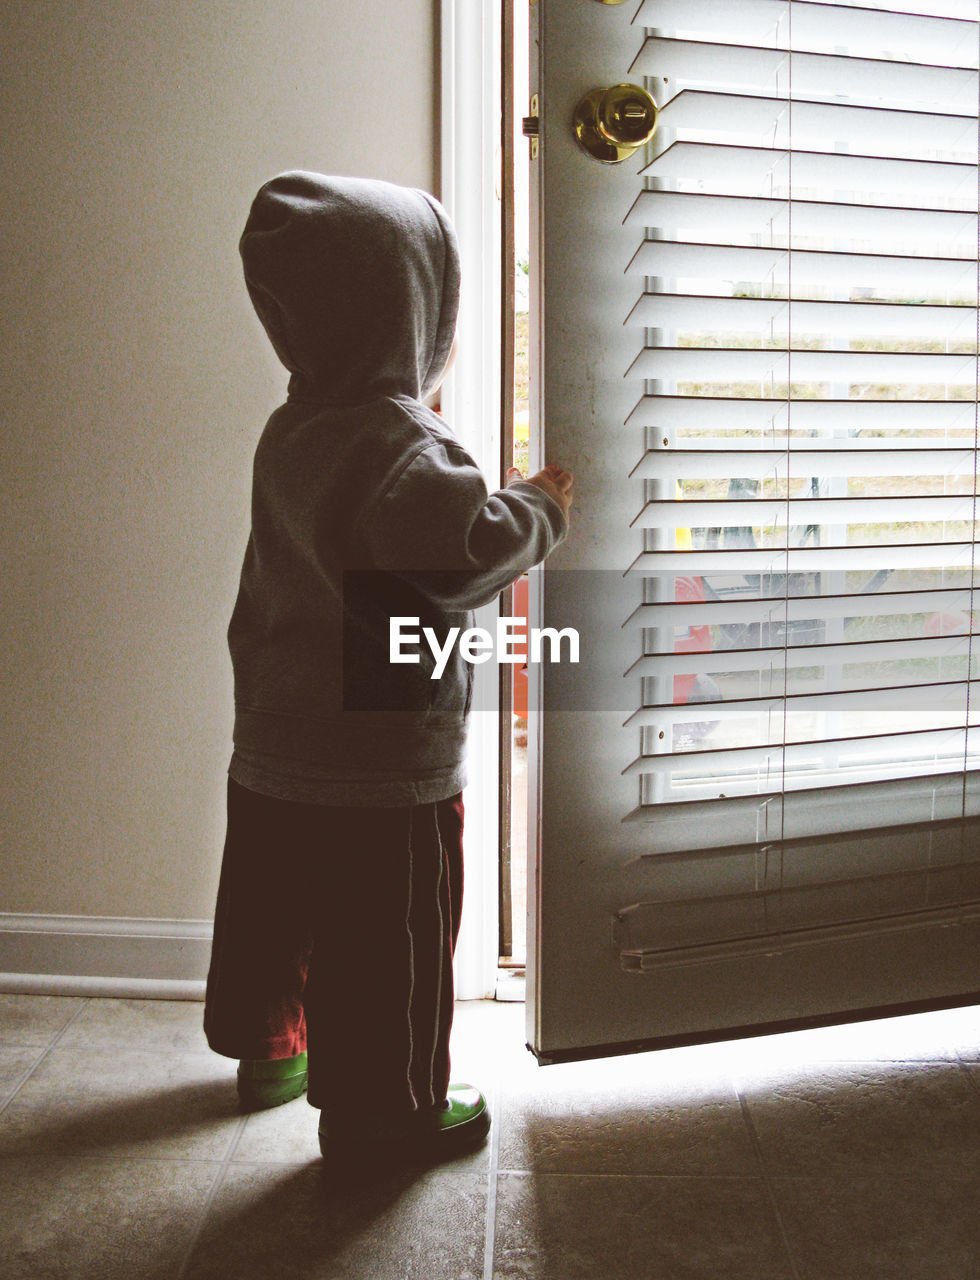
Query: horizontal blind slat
(930, 746)
(767, 170)
(750, 264)
(768, 416)
(890, 129)
(687, 63)
(775, 560)
(703, 312)
(759, 364)
(748, 609)
(777, 513)
(840, 458)
(922, 715)
(812, 655)
(943, 233)
(765, 22)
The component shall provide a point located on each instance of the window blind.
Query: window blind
(807, 656)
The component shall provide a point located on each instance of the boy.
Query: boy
(341, 880)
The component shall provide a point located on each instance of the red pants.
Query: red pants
(334, 933)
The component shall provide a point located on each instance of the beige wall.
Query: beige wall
(135, 382)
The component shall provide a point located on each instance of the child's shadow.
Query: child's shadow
(310, 1221)
(185, 1121)
(316, 1219)
(345, 1216)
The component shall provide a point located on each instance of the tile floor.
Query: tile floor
(851, 1152)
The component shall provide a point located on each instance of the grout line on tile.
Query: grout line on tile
(869, 1060)
(490, 1236)
(603, 1175)
(972, 1070)
(44, 1055)
(766, 1181)
(25, 1075)
(210, 1198)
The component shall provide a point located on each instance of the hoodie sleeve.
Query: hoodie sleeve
(437, 527)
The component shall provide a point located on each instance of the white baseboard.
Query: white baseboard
(69, 984)
(104, 955)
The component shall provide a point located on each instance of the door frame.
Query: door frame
(470, 97)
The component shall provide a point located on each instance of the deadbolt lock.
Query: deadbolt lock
(611, 124)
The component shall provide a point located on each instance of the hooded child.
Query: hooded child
(341, 880)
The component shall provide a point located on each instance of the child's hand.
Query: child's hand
(556, 482)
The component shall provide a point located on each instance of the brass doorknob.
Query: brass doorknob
(611, 124)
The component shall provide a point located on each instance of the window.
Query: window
(809, 293)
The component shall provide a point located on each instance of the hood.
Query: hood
(356, 282)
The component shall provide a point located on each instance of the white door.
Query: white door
(755, 798)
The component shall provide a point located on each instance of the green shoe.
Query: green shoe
(461, 1124)
(269, 1082)
(464, 1117)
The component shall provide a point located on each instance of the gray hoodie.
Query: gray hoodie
(364, 504)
